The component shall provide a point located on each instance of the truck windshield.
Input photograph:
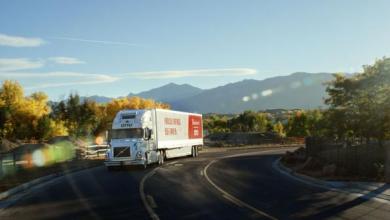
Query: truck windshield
(127, 133)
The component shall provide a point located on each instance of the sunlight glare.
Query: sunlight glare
(266, 92)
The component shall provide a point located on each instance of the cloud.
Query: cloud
(15, 41)
(12, 64)
(33, 80)
(98, 41)
(66, 60)
(57, 79)
(193, 73)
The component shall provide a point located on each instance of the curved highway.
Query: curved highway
(221, 185)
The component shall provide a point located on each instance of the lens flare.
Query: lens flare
(255, 96)
(295, 84)
(308, 81)
(27, 157)
(245, 98)
(99, 140)
(267, 92)
(38, 158)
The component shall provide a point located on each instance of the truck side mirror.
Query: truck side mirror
(108, 136)
(147, 133)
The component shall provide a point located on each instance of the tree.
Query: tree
(297, 125)
(43, 129)
(215, 123)
(11, 93)
(249, 121)
(262, 122)
(279, 129)
(31, 117)
(134, 102)
(20, 115)
(11, 96)
(316, 123)
(80, 118)
(359, 104)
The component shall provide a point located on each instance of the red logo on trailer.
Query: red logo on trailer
(195, 127)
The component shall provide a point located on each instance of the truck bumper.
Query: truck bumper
(115, 163)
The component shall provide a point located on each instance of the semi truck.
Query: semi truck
(146, 136)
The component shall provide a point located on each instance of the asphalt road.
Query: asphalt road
(212, 186)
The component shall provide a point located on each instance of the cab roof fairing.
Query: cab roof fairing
(138, 122)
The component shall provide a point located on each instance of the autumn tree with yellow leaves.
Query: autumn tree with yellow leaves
(33, 118)
(19, 115)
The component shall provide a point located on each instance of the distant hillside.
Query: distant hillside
(96, 98)
(170, 93)
(295, 91)
(298, 90)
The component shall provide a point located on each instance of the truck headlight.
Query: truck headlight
(139, 154)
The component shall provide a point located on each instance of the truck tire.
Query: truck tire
(146, 161)
(193, 152)
(196, 151)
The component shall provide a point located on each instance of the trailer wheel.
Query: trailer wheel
(196, 151)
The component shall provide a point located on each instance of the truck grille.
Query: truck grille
(121, 151)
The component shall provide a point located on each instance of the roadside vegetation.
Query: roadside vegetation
(38, 136)
(278, 126)
(351, 137)
(33, 118)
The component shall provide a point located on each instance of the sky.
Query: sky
(113, 48)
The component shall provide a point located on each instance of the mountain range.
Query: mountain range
(298, 90)
(170, 93)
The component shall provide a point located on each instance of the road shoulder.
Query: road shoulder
(379, 192)
(11, 196)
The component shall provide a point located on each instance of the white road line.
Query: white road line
(232, 200)
(148, 207)
(151, 201)
(226, 195)
(276, 166)
(230, 197)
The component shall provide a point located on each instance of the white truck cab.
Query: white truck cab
(142, 137)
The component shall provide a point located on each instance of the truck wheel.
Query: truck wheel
(196, 151)
(146, 161)
(161, 158)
